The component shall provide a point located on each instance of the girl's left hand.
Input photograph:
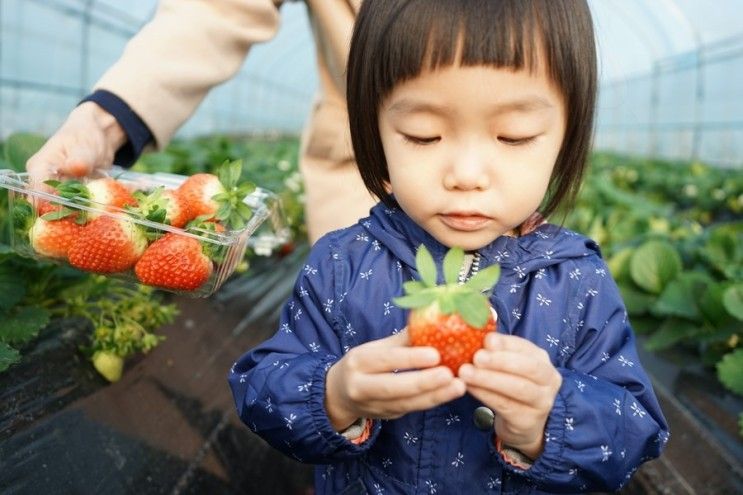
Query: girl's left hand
(516, 379)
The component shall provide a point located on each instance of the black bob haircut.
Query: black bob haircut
(396, 40)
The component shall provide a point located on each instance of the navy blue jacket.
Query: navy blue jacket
(554, 290)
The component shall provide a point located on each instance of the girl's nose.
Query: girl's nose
(469, 171)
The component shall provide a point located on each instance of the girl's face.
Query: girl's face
(470, 150)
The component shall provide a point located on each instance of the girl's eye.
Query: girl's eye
(516, 141)
(422, 141)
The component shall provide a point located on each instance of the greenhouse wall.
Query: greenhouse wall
(53, 51)
(688, 107)
(670, 73)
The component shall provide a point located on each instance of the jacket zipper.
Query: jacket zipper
(469, 270)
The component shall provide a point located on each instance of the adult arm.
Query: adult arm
(166, 70)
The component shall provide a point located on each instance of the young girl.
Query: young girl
(467, 119)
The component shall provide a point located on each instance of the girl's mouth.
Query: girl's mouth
(464, 221)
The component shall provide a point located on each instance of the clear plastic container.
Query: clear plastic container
(265, 228)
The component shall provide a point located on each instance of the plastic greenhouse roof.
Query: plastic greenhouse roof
(631, 34)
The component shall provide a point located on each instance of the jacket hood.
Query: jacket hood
(546, 245)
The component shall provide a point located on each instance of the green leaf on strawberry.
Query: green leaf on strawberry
(453, 264)
(426, 267)
(454, 318)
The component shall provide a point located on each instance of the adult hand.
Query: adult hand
(364, 384)
(87, 141)
(516, 379)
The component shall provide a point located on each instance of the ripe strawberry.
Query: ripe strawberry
(109, 193)
(219, 196)
(163, 206)
(106, 192)
(454, 318)
(53, 238)
(54, 229)
(107, 245)
(174, 261)
(178, 212)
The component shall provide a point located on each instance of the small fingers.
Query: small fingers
(421, 402)
(529, 365)
(512, 386)
(390, 386)
(391, 354)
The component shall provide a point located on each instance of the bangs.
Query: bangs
(430, 34)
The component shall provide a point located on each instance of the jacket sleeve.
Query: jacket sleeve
(279, 387)
(187, 48)
(606, 420)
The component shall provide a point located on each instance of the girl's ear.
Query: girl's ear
(388, 187)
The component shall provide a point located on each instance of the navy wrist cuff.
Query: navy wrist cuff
(137, 132)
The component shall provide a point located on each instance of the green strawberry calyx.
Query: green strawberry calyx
(467, 299)
(232, 210)
(73, 191)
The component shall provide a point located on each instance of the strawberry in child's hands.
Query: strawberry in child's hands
(454, 318)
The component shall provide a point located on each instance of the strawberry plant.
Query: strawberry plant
(33, 293)
(453, 317)
(674, 242)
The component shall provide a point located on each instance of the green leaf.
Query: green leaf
(447, 303)
(654, 264)
(643, 325)
(672, 331)
(485, 279)
(680, 296)
(8, 356)
(244, 211)
(453, 262)
(473, 308)
(711, 305)
(245, 189)
(12, 286)
(636, 301)
(19, 147)
(426, 266)
(619, 264)
(417, 300)
(730, 371)
(24, 325)
(58, 214)
(732, 299)
(413, 286)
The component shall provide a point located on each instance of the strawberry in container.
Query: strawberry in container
(183, 234)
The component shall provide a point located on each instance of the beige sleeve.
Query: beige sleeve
(187, 48)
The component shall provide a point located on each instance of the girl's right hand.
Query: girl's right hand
(363, 383)
(87, 141)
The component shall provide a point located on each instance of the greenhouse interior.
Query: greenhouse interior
(120, 380)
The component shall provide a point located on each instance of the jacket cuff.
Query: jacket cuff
(336, 445)
(137, 132)
(551, 458)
